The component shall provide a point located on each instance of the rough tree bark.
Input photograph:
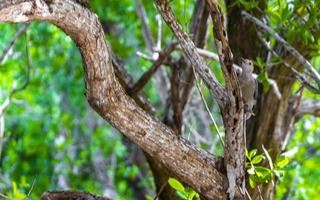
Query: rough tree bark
(183, 160)
(107, 85)
(274, 117)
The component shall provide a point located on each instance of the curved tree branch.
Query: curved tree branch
(107, 97)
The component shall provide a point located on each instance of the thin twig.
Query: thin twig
(207, 108)
(160, 190)
(4, 196)
(189, 49)
(32, 186)
(137, 87)
(299, 76)
(145, 25)
(13, 41)
(260, 194)
(286, 45)
(159, 39)
(4, 106)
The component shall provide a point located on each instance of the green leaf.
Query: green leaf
(263, 174)
(247, 153)
(182, 195)
(17, 195)
(263, 78)
(252, 153)
(175, 184)
(282, 161)
(251, 182)
(191, 194)
(257, 159)
(148, 197)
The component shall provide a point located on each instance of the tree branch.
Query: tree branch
(233, 115)
(191, 53)
(309, 107)
(138, 86)
(145, 26)
(13, 41)
(106, 96)
(286, 45)
(299, 76)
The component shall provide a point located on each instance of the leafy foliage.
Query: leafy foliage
(259, 174)
(184, 193)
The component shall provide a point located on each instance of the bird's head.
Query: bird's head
(247, 65)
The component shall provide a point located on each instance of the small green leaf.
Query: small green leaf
(191, 194)
(263, 174)
(175, 184)
(257, 159)
(251, 182)
(278, 173)
(247, 153)
(182, 195)
(148, 197)
(282, 161)
(252, 153)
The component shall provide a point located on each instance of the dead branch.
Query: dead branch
(138, 86)
(309, 107)
(6, 50)
(313, 72)
(297, 74)
(147, 35)
(191, 53)
(60, 195)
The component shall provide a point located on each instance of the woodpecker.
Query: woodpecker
(248, 86)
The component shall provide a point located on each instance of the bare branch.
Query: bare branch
(207, 109)
(4, 106)
(159, 39)
(309, 107)
(13, 41)
(145, 56)
(299, 76)
(147, 35)
(191, 53)
(148, 75)
(286, 45)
